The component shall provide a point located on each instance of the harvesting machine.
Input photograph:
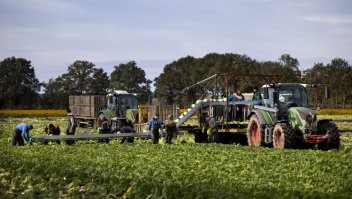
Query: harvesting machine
(282, 120)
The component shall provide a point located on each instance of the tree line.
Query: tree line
(20, 89)
(170, 84)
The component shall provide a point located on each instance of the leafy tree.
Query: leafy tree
(18, 83)
(339, 71)
(100, 82)
(176, 77)
(316, 75)
(55, 94)
(78, 77)
(131, 78)
(81, 78)
(187, 71)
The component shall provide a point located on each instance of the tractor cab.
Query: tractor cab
(291, 95)
(285, 96)
(120, 102)
(288, 95)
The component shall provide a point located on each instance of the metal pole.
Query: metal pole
(216, 84)
(227, 97)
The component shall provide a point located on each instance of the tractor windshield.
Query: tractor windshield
(292, 96)
(127, 101)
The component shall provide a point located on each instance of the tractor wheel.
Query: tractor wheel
(283, 136)
(255, 132)
(333, 141)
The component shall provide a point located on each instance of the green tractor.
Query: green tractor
(284, 120)
(121, 110)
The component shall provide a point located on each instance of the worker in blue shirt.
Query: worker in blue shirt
(19, 132)
(155, 125)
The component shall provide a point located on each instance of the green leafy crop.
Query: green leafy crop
(181, 170)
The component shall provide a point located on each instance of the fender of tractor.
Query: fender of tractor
(257, 131)
(101, 114)
(263, 116)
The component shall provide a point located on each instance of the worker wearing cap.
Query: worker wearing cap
(155, 125)
(52, 129)
(19, 132)
(170, 128)
(256, 94)
(212, 129)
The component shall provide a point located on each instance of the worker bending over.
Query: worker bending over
(52, 129)
(19, 132)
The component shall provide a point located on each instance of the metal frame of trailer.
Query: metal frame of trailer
(86, 137)
(226, 126)
(227, 131)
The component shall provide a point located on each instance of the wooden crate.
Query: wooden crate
(71, 100)
(98, 100)
(75, 110)
(84, 111)
(94, 110)
(76, 100)
(85, 100)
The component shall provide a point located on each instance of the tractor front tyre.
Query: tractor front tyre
(333, 140)
(283, 137)
(255, 132)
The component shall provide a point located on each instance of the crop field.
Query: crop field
(183, 170)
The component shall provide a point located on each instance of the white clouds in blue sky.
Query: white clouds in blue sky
(55, 33)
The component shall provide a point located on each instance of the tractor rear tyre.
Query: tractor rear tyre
(255, 132)
(333, 141)
(283, 137)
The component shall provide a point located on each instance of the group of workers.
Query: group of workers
(238, 95)
(257, 96)
(21, 131)
(155, 125)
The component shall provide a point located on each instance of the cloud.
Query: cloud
(331, 19)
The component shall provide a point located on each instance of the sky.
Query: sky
(53, 34)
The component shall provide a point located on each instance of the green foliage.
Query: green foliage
(19, 86)
(131, 78)
(81, 78)
(182, 170)
(188, 70)
(337, 75)
(100, 82)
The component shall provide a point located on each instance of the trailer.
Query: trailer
(85, 108)
(120, 108)
(229, 130)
